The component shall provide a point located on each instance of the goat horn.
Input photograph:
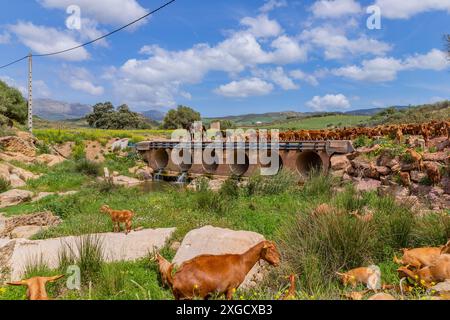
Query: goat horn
(54, 278)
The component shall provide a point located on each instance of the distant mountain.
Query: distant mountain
(372, 111)
(58, 110)
(253, 118)
(154, 115)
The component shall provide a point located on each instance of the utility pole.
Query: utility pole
(30, 92)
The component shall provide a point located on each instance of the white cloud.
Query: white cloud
(113, 12)
(262, 26)
(335, 8)
(40, 89)
(386, 69)
(272, 4)
(433, 60)
(329, 102)
(44, 40)
(80, 79)
(167, 71)
(300, 75)
(337, 46)
(401, 9)
(245, 88)
(5, 38)
(277, 76)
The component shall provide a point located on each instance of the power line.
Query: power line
(92, 41)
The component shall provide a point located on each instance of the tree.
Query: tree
(104, 116)
(180, 118)
(99, 112)
(13, 106)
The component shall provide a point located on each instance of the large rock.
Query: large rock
(13, 197)
(126, 181)
(26, 232)
(21, 226)
(339, 162)
(442, 287)
(16, 254)
(217, 241)
(16, 182)
(50, 159)
(19, 145)
(363, 184)
(417, 176)
(436, 157)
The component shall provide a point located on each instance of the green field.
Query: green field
(316, 123)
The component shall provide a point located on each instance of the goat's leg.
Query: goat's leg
(229, 294)
(128, 226)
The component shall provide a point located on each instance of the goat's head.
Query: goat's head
(105, 208)
(270, 253)
(36, 286)
(446, 249)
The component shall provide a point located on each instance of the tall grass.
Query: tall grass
(270, 185)
(4, 185)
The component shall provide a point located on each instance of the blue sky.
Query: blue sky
(233, 57)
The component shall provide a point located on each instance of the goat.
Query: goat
(364, 218)
(164, 268)
(118, 217)
(205, 275)
(36, 286)
(419, 257)
(438, 272)
(356, 276)
(290, 293)
(356, 295)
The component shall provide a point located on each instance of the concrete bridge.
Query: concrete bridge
(300, 157)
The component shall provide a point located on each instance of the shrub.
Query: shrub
(362, 141)
(271, 185)
(317, 247)
(43, 148)
(4, 185)
(230, 187)
(87, 167)
(78, 152)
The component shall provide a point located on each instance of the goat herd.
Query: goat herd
(427, 130)
(207, 276)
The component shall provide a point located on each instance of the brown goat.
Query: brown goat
(419, 257)
(118, 217)
(438, 272)
(36, 286)
(205, 275)
(164, 269)
(356, 276)
(364, 218)
(290, 293)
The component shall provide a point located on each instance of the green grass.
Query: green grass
(57, 136)
(316, 123)
(313, 248)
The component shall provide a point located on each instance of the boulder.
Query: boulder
(417, 176)
(13, 197)
(213, 184)
(65, 149)
(18, 145)
(446, 185)
(443, 145)
(436, 157)
(383, 171)
(121, 144)
(385, 159)
(339, 162)
(22, 173)
(50, 159)
(16, 254)
(19, 224)
(442, 287)
(125, 181)
(364, 184)
(16, 182)
(217, 241)
(26, 232)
